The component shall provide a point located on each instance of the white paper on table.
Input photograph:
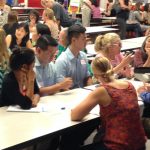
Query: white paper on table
(17, 108)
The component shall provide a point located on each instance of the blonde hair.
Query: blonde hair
(50, 14)
(103, 42)
(4, 54)
(103, 65)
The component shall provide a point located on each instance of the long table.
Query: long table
(20, 129)
(100, 30)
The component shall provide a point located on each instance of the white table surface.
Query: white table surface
(99, 29)
(20, 127)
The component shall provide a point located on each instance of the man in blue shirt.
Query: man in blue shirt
(47, 78)
(73, 62)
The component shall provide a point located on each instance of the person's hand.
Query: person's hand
(141, 90)
(147, 86)
(31, 75)
(127, 60)
(66, 83)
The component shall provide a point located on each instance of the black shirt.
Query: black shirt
(11, 94)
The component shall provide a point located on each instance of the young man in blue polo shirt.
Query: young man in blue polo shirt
(73, 62)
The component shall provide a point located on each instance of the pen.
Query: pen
(87, 89)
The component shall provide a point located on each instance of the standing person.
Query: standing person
(19, 85)
(122, 14)
(117, 100)
(4, 10)
(86, 10)
(73, 62)
(4, 58)
(49, 19)
(20, 38)
(62, 17)
(45, 70)
(12, 23)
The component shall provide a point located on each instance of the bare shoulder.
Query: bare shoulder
(102, 96)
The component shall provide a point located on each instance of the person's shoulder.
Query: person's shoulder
(9, 78)
(7, 8)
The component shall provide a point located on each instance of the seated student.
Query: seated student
(19, 86)
(109, 46)
(142, 56)
(33, 19)
(4, 58)
(20, 38)
(132, 24)
(73, 62)
(49, 19)
(39, 30)
(95, 9)
(62, 41)
(144, 93)
(45, 70)
(119, 111)
(12, 23)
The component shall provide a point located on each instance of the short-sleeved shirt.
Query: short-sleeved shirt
(68, 65)
(46, 75)
(61, 15)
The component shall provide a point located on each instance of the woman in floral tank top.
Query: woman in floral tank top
(119, 110)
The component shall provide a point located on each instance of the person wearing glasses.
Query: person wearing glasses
(109, 46)
(47, 78)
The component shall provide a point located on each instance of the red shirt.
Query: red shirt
(121, 120)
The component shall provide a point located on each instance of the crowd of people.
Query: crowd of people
(40, 59)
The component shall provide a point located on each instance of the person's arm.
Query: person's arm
(36, 96)
(125, 62)
(8, 40)
(98, 96)
(64, 85)
(29, 44)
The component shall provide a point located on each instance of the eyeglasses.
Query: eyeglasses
(117, 44)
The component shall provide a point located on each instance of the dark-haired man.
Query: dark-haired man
(73, 62)
(46, 75)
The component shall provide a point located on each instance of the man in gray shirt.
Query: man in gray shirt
(62, 17)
